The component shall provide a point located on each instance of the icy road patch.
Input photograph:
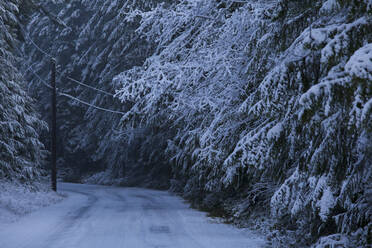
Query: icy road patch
(110, 217)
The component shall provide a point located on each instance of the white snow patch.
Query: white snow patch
(329, 6)
(297, 206)
(275, 131)
(366, 110)
(318, 35)
(360, 64)
(334, 240)
(17, 200)
(326, 203)
(339, 41)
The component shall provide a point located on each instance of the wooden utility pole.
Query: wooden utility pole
(54, 126)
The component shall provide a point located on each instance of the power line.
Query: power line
(40, 79)
(76, 99)
(91, 105)
(70, 78)
(86, 85)
(29, 68)
(50, 56)
(74, 80)
(33, 43)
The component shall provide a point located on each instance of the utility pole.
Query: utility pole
(54, 126)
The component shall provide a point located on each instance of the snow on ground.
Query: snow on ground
(99, 216)
(17, 200)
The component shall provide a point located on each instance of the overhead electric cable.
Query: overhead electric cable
(33, 43)
(29, 68)
(77, 99)
(69, 78)
(72, 79)
(41, 80)
(91, 105)
(50, 56)
(85, 85)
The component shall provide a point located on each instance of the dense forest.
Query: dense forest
(257, 111)
(21, 152)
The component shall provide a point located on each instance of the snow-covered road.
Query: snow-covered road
(110, 217)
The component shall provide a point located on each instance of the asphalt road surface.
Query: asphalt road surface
(111, 217)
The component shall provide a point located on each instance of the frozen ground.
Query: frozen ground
(99, 216)
(17, 200)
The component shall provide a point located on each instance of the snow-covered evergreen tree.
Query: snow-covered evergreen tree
(271, 100)
(21, 152)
